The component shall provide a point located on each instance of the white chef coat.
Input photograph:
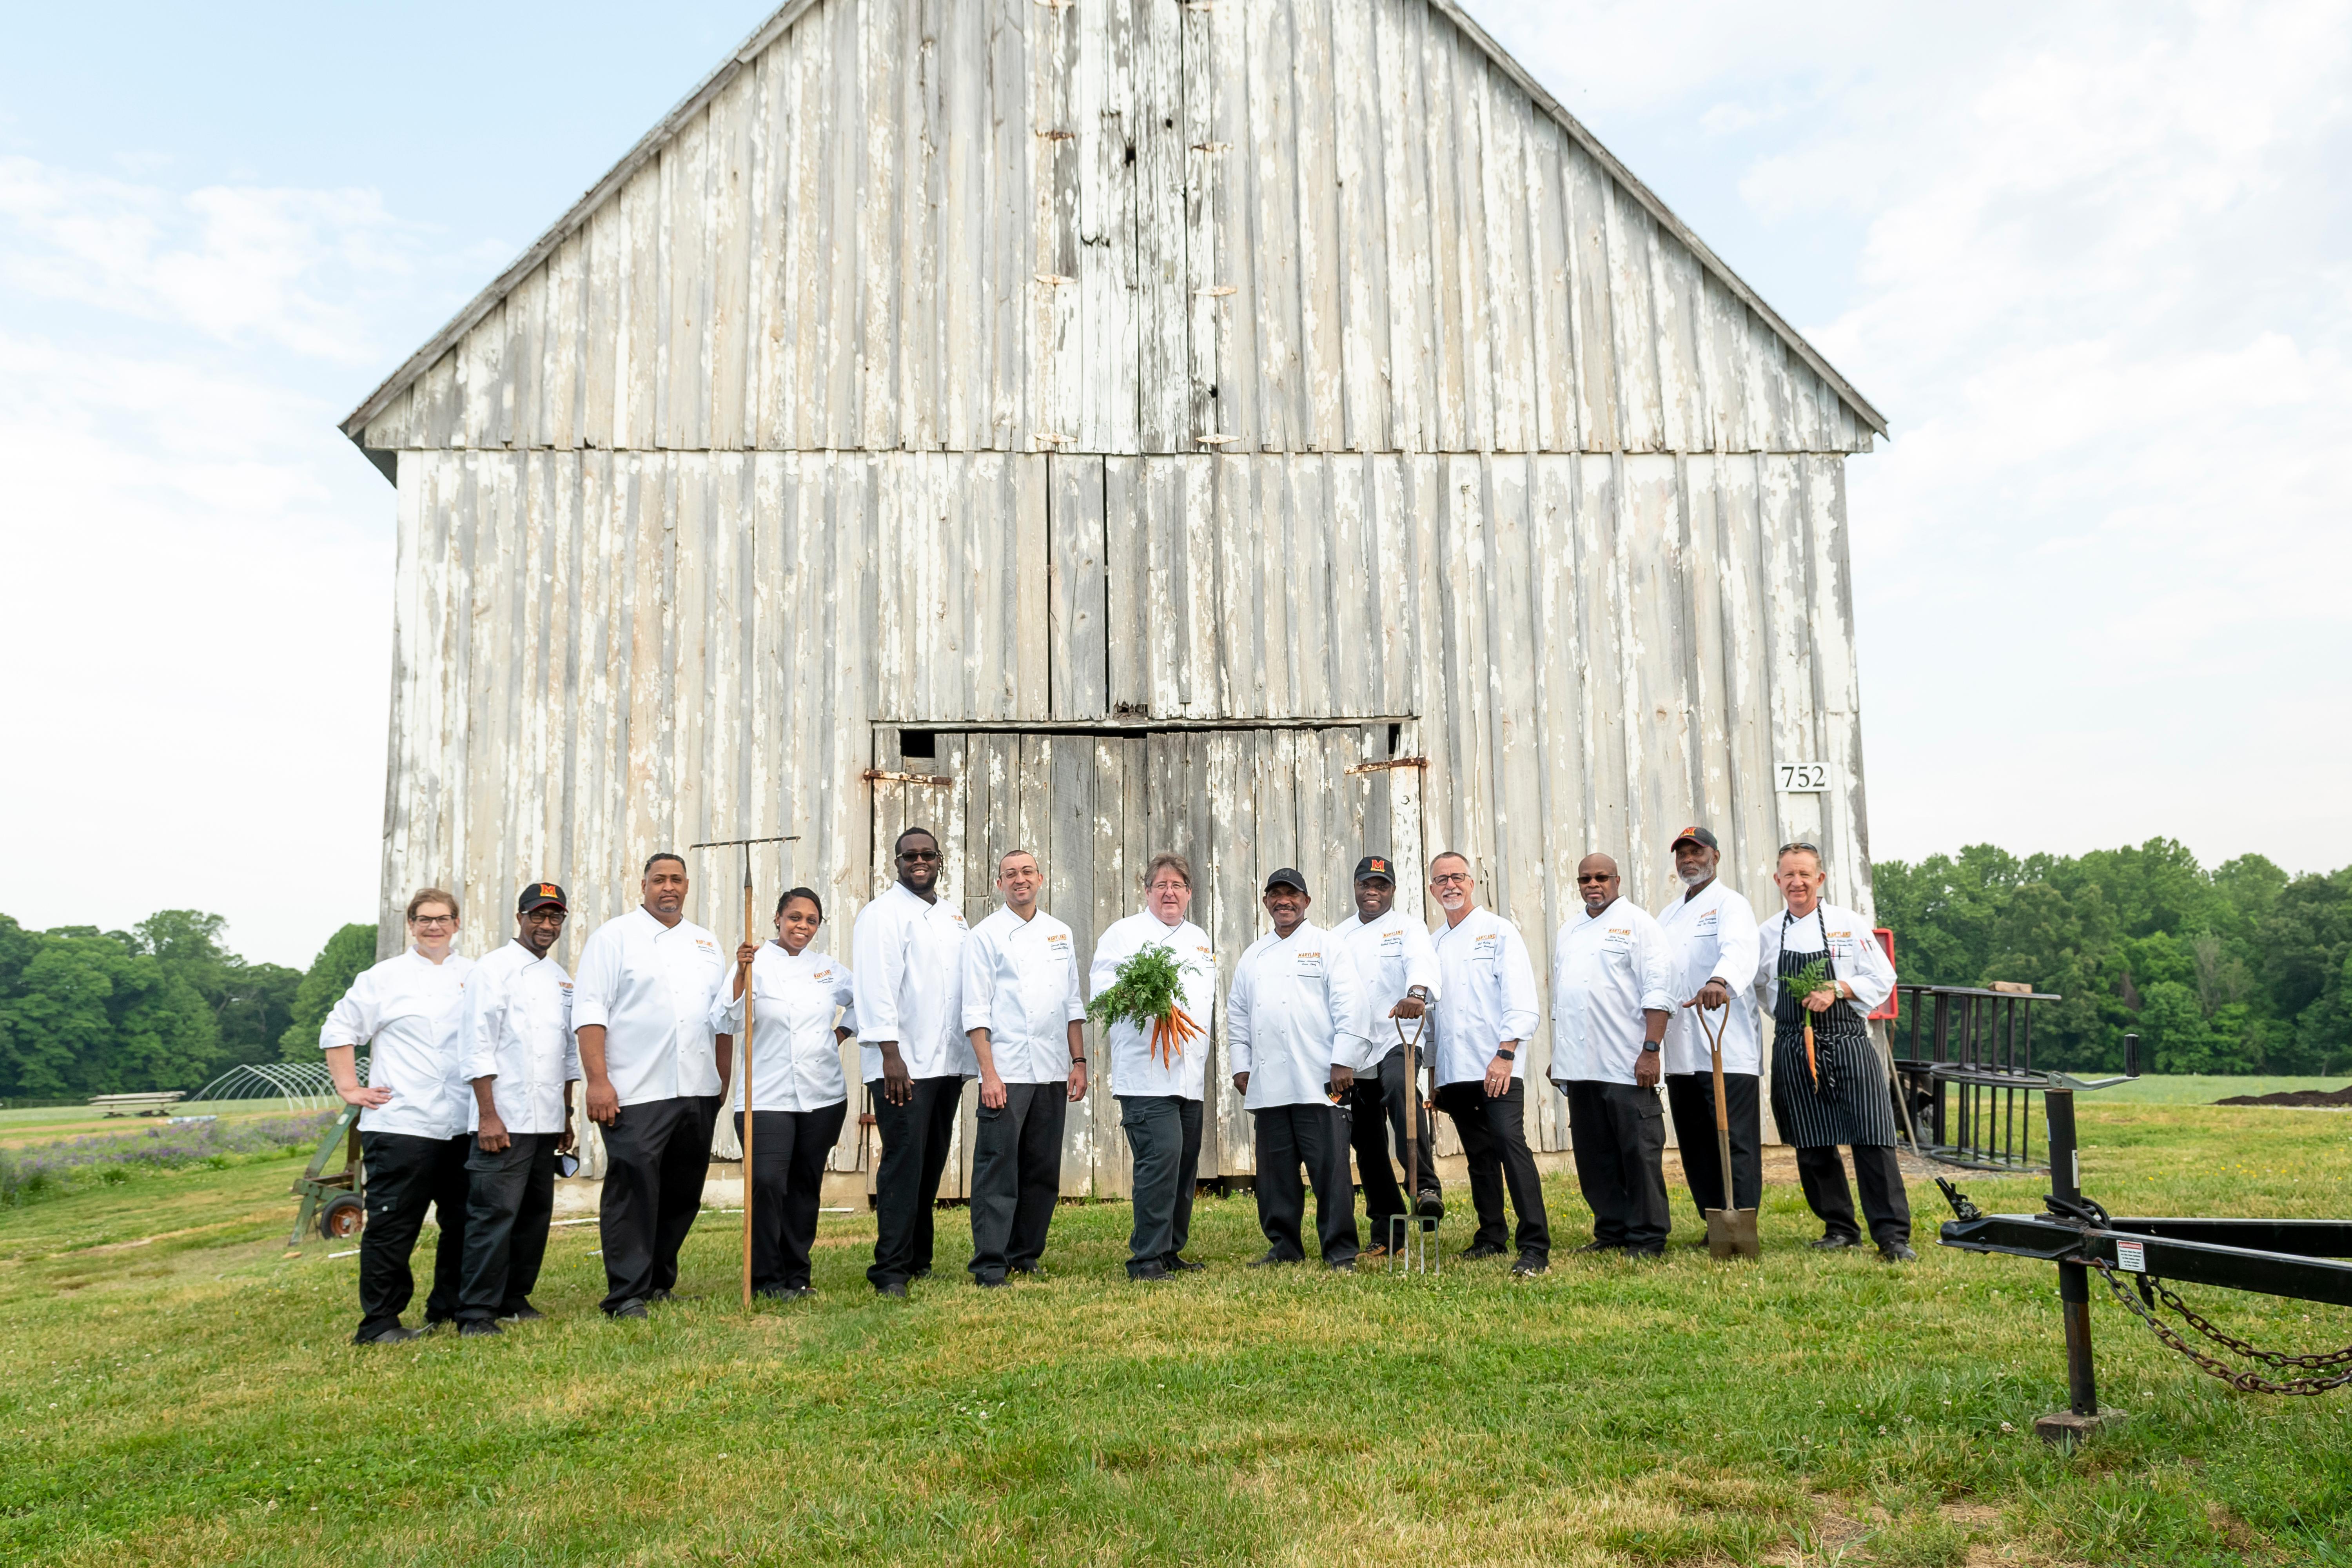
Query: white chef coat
(1134, 1070)
(1296, 1010)
(1713, 935)
(651, 986)
(910, 956)
(407, 1012)
(1487, 995)
(1021, 984)
(518, 1034)
(1393, 954)
(796, 1004)
(1606, 969)
(1854, 953)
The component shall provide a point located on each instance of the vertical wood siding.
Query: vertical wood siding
(1120, 227)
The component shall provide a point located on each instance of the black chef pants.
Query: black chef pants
(511, 1196)
(1618, 1135)
(1494, 1134)
(915, 1139)
(788, 1151)
(1290, 1137)
(406, 1175)
(1376, 1113)
(1690, 1096)
(656, 1158)
(1883, 1202)
(1163, 1135)
(1016, 1177)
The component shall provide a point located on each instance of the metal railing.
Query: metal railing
(1964, 1067)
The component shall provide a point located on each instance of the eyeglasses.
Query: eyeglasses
(1169, 885)
(1451, 879)
(433, 920)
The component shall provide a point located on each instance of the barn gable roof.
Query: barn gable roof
(652, 144)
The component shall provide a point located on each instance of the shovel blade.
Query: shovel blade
(1731, 1232)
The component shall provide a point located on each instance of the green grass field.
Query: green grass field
(174, 1388)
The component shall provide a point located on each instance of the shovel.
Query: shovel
(1731, 1230)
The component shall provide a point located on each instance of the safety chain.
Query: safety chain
(2244, 1381)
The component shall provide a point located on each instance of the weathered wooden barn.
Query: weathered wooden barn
(1274, 429)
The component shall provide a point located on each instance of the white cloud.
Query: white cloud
(2099, 290)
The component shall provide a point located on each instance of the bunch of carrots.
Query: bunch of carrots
(1147, 990)
(1812, 977)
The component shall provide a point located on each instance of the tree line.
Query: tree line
(2238, 968)
(162, 1005)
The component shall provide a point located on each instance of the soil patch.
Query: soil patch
(2314, 1099)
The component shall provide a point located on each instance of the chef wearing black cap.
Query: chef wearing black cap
(521, 1060)
(1295, 1013)
(1712, 931)
(1399, 966)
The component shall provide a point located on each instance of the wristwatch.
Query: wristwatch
(1649, 1046)
(1508, 1053)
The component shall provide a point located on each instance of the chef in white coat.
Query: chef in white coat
(1160, 1093)
(1025, 1017)
(909, 954)
(1399, 966)
(655, 1071)
(1295, 1013)
(521, 1062)
(1837, 1093)
(407, 1011)
(1485, 1014)
(1712, 931)
(801, 1011)
(1611, 971)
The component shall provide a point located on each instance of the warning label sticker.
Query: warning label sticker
(2131, 1255)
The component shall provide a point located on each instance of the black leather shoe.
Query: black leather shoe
(1431, 1205)
(895, 1288)
(1898, 1253)
(1176, 1265)
(1145, 1273)
(477, 1327)
(1835, 1243)
(394, 1335)
(634, 1310)
(1270, 1258)
(1478, 1249)
(1602, 1246)
(1528, 1267)
(526, 1313)
(1342, 1266)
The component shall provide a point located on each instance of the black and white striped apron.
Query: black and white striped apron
(1858, 1107)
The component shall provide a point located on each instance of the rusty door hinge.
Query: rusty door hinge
(883, 775)
(1422, 762)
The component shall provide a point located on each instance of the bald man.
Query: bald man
(1612, 979)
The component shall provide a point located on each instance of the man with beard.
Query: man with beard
(1712, 932)
(1399, 965)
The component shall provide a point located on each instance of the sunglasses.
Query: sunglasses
(1800, 844)
(1595, 876)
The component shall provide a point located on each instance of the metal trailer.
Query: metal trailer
(338, 1202)
(2293, 1258)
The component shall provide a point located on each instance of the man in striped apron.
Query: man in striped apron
(1834, 1090)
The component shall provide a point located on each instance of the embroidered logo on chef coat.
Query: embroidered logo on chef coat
(957, 916)
(1310, 966)
(1706, 921)
(706, 944)
(1058, 941)
(1392, 938)
(1617, 938)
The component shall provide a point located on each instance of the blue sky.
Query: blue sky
(2095, 263)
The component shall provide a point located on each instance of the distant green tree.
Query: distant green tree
(347, 953)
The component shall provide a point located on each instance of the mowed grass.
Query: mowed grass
(174, 1389)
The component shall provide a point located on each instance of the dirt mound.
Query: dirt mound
(2341, 1098)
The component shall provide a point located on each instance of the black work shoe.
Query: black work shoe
(1478, 1249)
(477, 1327)
(633, 1308)
(1342, 1266)
(1835, 1243)
(1528, 1267)
(1270, 1258)
(895, 1288)
(394, 1335)
(1431, 1205)
(435, 1325)
(999, 1283)
(526, 1313)
(1145, 1273)
(1180, 1265)
(1602, 1246)
(1899, 1253)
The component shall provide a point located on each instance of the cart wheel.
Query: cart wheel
(343, 1218)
